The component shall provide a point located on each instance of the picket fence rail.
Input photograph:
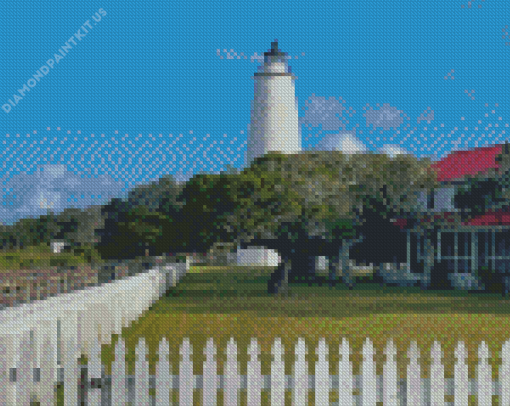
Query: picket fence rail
(412, 391)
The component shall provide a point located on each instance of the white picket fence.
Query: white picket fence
(413, 391)
(34, 335)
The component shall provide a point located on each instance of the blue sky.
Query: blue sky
(155, 88)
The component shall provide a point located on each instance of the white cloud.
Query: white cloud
(386, 117)
(50, 187)
(329, 113)
(255, 57)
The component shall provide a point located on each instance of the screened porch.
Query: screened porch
(463, 250)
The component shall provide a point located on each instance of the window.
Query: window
(443, 199)
(455, 251)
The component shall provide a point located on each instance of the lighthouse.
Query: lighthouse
(274, 123)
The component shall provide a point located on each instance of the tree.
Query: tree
(162, 193)
(206, 200)
(279, 202)
(314, 204)
(146, 219)
(32, 231)
(114, 240)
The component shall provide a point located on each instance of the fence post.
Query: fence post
(119, 374)
(89, 322)
(118, 306)
(46, 340)
(10, 340)
(277, 374)
(24, 371)
(141, 374)
(368, 391)
(111, 308)
(163, 375)
(4, 371)
(460, 376)
(300, 389)
(254, 374)
(186, 375)
(345, 378)
(484, 376)
(322, 374)
(231, 374)
(210, 376)
(71, 369)
(414, 395)
(390, 376)
(437, 385)
(94, 373)
(504, 374)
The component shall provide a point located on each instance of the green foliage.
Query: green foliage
(325, 192)
(206, 200)
(160, 195)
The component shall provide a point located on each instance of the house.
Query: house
(467, 229)
(257, 256)
(228, 254)
(58, 245)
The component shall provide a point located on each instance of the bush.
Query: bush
(492, 279)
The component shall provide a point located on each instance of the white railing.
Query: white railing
(413, 391)
(36, 334)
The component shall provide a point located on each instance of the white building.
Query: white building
(257, 256)
(58, 246)
(274, 114)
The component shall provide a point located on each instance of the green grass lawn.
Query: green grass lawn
(233, 302)
(42, 256)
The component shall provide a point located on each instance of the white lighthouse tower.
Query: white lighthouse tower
(274, 113)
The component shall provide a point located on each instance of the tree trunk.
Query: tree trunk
(279, 281)
(347, 276)
(302, 268)
(333, 268)
(379, 274)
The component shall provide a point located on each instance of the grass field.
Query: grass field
(232, 302)
(41, 256)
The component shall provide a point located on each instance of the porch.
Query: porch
(463, 250)
(459, 253)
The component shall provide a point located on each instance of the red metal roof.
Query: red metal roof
(462, 163)
(491, 218)
(400, 222)
(457, 165)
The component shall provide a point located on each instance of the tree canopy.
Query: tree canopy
(312, 199)
(326, 192)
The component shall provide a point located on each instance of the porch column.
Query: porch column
(456, 251)
(408, 251)
(503, 255)
(428, 256)
(474, 252)
(486, 259)
(419, 253)
(439, 246)
(493, 249)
